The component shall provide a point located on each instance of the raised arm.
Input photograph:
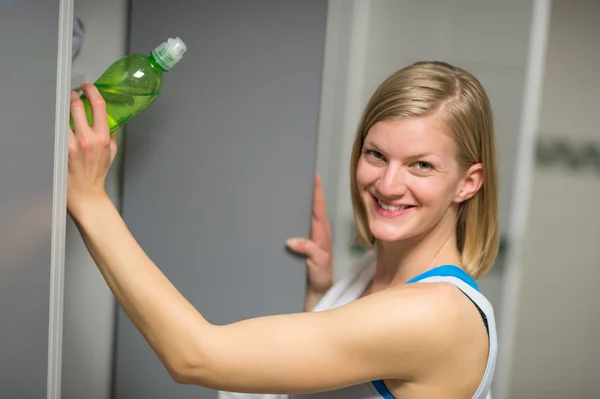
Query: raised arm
(380, 336)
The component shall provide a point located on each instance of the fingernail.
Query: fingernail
(292, 242)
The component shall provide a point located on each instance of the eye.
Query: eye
(423, 167)
(374, 155)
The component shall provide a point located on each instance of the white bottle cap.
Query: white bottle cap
(169, 53)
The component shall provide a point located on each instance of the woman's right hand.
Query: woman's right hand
(318, 250)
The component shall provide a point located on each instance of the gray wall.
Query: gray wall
(219, 173)
(28, 61)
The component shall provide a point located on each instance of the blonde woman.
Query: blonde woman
(424, 190)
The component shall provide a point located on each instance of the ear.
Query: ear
(470, 183)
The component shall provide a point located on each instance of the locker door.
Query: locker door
(35, 39)
(219, 172)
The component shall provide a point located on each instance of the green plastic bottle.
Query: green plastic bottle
(131, 84)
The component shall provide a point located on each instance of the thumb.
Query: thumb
(309, 248)
(301, 245)
(305, 246)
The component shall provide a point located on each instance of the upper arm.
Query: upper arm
(391, 334)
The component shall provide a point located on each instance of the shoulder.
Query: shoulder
(427, 304)
(443, 313)
(418, 327)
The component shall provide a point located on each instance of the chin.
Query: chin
(386, 227)
(386, 233)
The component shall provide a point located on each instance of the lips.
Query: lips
(391, 209)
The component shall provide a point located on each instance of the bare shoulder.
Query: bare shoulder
(441, 305)
(446, 314)
(434, 324)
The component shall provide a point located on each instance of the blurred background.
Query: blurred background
(219, 173)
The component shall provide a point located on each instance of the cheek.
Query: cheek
(431, 192)
(366, 174)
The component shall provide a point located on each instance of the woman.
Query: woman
(424, 191)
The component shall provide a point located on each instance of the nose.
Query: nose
(392, 183)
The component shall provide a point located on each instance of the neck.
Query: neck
(398, 262)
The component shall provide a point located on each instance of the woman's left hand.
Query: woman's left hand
(91, 151)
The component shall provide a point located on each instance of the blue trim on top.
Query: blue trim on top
(446, 271)
(440, 271)
(383, 390)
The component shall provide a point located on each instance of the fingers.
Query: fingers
(98, 105)
(95, 138)
(320, 233)
(316, 255)
(319, 203)
(320, 229)
(72, 143)
(78, 115)
(72, 138)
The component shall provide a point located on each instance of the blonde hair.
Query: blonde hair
(427, 88)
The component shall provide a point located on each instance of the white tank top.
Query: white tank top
(353, 285)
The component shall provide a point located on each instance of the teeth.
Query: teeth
(391, 207)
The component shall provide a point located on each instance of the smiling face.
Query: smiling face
(409, 178)
(424, 161)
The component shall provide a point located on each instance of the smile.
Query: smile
(391, 210)
(392, 207)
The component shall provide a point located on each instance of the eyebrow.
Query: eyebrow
(368, 143)
(422, 155)
(411, 158)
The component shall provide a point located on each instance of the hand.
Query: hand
(318, 249)
(91, 150)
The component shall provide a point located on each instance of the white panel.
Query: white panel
(522, 192)
(555, 351)
(63, 86)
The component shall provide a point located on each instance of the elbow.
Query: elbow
(178, 374)
(188, 370)
(188, 366)
(194, 363)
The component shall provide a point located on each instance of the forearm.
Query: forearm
(169, 323)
